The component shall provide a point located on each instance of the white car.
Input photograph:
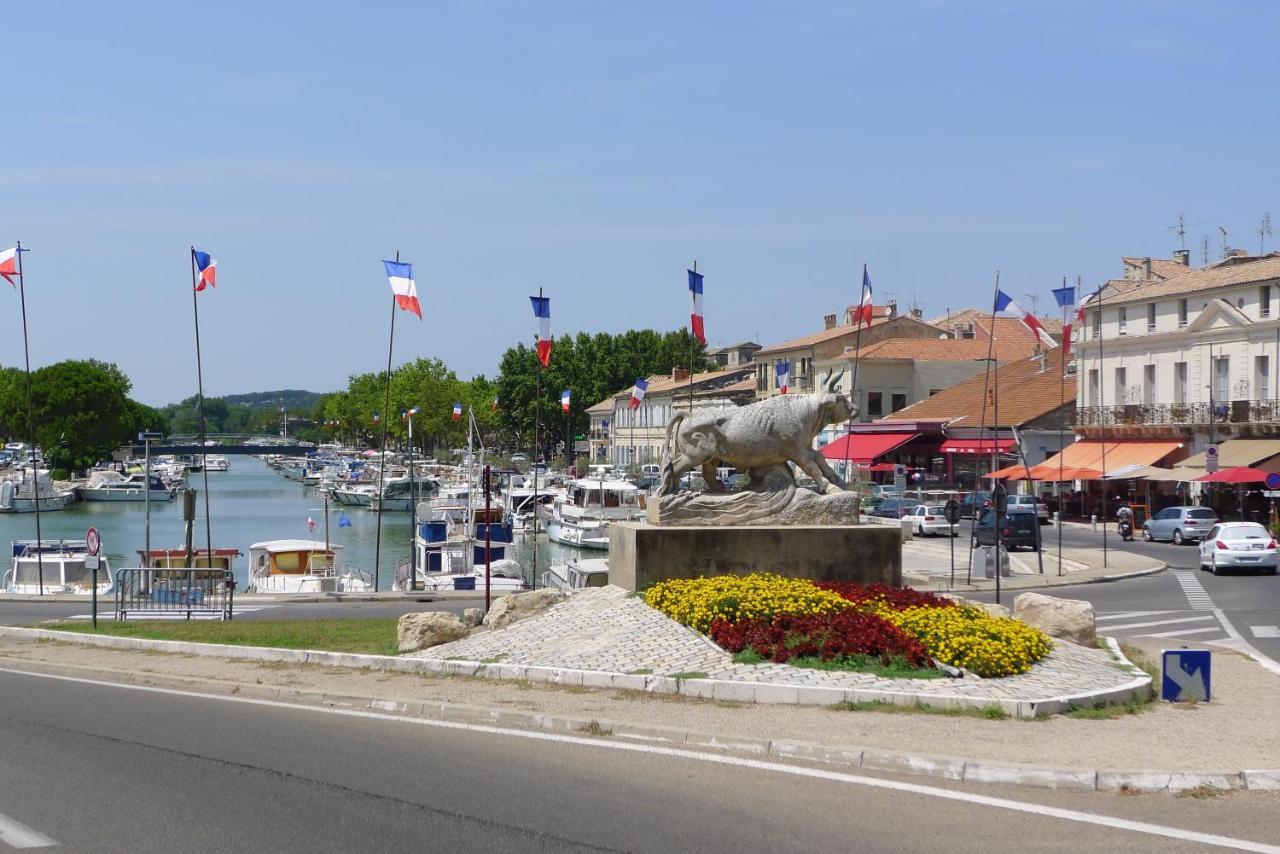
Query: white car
(929, 519)
(1238, 545)
(1029, 504)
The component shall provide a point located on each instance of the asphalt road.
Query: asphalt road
(1181, 605)
(94, 768)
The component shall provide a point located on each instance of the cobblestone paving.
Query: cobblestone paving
(610, 631)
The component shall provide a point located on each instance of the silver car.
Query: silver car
(1180, 524)
(1242, 545)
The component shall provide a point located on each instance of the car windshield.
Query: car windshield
(1201, 513)
(1246, 532)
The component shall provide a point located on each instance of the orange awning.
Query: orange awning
(1013, 472)
(1089, 455)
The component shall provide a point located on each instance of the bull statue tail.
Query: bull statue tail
(669, 443)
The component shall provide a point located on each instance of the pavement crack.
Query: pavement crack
(327, 784)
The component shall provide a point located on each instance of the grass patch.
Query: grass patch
(1201, 793)
(1141, 661)
(990, 713)
(1108, 713)
(897, 668)
(372, 636)
(643, 671)
(688, 674)
(594, 728)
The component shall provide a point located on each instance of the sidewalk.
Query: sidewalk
(926, 565)
(1166, 748)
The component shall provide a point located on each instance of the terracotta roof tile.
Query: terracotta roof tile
(835, 332)
(1194, 280)
(1025, 394)
(947, 349)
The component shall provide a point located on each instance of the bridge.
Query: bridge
(236, 444)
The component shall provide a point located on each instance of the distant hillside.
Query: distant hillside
(291, 398)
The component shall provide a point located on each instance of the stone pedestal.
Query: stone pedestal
(641, 554)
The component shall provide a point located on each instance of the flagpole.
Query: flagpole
(853, 381)
(382, 468)
(31, 418)
(982, 433)
(1062, 418)
(693, 349)
(1102, 417)
(204, 468)
(537, 424)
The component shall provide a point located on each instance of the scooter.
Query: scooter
(1126, 530)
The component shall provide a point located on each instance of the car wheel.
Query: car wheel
(1146, 535)
(919, 530)
(1213, 567)
(1177, 538)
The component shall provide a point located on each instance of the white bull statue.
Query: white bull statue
(758, 436)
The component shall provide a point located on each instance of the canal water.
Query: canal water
(248, 504)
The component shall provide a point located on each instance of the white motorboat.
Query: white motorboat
(302, 566)
(577, 574)
(581, 516)
(111, 486)
(216, 462)
(18, 496)
(59, 563)
(400, 495)
(448, 556)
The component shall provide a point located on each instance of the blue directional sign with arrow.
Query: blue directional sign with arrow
(1186, 675)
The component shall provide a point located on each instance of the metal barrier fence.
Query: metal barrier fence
(174, 593)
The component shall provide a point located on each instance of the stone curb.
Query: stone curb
(704, 689)
(953, 769)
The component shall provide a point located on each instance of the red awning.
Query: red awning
(865, 447)
(976, 446)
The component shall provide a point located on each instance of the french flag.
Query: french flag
(783, 370)
(637, 393)
(9, 265)
(400, 274)
(457, 411)
(542, 312)
(206, 269)
(409, 413)
(862, 314)
(377, 416)
(1066, 299)
(695, 319)
(1008, 305)
(565, 398)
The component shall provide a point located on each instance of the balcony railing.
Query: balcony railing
(1161, 414)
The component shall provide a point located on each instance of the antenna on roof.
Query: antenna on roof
(1204, 248)
(1181, 230)
(1224, 241)
(1035, 303)
(1264, 231)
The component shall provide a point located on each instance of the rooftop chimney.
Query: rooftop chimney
(917, 313)
(892, 307)
(679, 374)
(1146, 269)
(1183, 257)
(829, 321)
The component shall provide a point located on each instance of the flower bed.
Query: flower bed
(783, 619)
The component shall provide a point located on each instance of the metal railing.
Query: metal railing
(1145, 414)
(169, 593)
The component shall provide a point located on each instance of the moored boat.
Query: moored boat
(581, 516)
(302, 566)
(54, 566)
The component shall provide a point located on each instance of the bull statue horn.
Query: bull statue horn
(831, 381)
(827, 379)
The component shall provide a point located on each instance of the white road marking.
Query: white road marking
(1237, 642)
(1028, 807)
(1265, 631)
(1199, 619)
(1181, 633)
(1194, 590)
(15, 834)
(1124, 615)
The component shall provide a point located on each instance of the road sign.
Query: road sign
(1273, 481)
(92, 562)
(1211, 458)
(952, 511)
(1186, 675)
(91, 541)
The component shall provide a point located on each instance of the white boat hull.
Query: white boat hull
(290, 584)
(89, 494)
(594, 536)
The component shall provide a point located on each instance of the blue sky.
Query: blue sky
(596, 149)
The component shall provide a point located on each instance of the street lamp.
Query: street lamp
(145, 437)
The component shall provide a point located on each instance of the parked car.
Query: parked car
(1238, 545)
(929, 520)
(1030, 504)
(980, 500)
(518, 458)
(1179, 524)
(884, 490)
(1018, 529)
(892, 508)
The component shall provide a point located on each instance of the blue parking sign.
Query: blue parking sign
(1185, 675)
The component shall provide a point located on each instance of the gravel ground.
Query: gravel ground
(1234, 732)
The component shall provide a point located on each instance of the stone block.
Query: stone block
(641, 554)
(472, 616)
(518, 606)
(1068, 619)
(427, 629)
